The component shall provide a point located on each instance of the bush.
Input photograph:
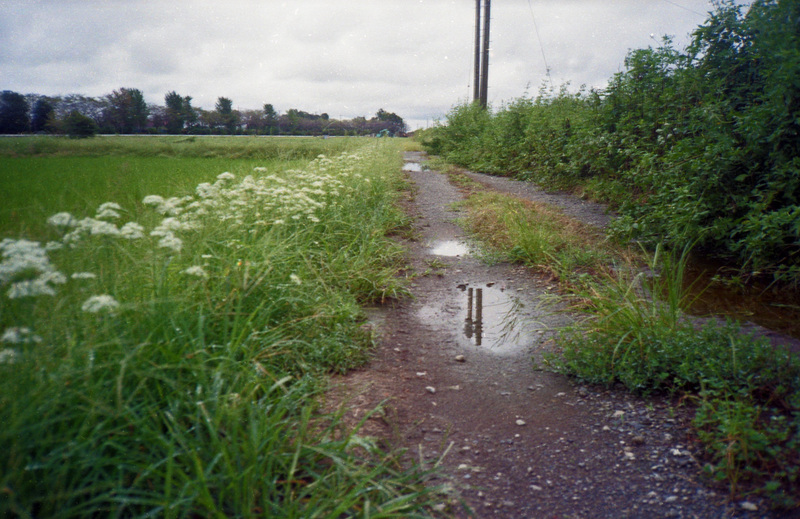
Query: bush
(705, 142)
(79, 126)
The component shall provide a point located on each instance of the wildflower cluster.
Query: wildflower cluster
(26, 270)
(256, 201)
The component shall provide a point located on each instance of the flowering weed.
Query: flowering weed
(175, 344)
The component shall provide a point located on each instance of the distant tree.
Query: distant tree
(394, 122)
(88, 106)
(127, 110)
(179, 110)
(228, 118)
(42, 116)
(78, 126)
(13, 113)
(271, 118)
(189, 113)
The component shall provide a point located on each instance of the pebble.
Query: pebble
(421, 373)
(430, 389)
(750, 507)
(461, 358)
(520, 422)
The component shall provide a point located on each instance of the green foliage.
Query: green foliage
(13, 113)
(78, 126)
(748, 417)
(705, 143)
(192, 392)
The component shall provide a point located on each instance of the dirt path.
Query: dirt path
(519, 443)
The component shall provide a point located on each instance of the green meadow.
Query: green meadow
(170, 309)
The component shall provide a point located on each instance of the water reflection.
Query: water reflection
(450, 248)
(412, 166)
(494, 318)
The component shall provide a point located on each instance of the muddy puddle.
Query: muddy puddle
(760, 303)
(485, 316)
(450, 248)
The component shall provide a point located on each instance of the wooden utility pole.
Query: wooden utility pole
(481, 88)
(476, 82)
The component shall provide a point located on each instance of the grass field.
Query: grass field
(169, 309)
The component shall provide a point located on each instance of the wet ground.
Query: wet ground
(458, 388)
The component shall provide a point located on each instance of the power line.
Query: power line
(684, 7)
(541, 46)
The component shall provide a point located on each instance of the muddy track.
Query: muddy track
(513, 441)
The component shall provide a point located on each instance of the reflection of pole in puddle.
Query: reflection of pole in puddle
(474, 327)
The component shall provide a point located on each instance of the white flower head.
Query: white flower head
(30, 288)
(170, 241)
(62, 220)
(19, 335)
(83, 275)
(196, 270)
(226, 176)
(101, 303)
(131, 231)
(8, 356)
(108, 210)
(296, 279)
(154, 200)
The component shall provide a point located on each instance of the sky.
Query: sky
(346, 58)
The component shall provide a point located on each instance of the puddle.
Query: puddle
(412, 166)
(486, 316)
(449, 248)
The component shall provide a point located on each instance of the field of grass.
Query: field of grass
(169, 309)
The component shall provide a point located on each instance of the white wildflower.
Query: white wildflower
(170, 241)
(296, 279)
(30, 288)
(53, 245)
(21, 256)
(20, 335)
(131, 231)
(279, 222)
(101, 303)
(154, 200)
(108, 210)
(196, 270)
(52, 276)
(99, 227)
(206, 190)
(7, 356)
(62, 220)
(83, 275)
(260, 169)
(226, 176)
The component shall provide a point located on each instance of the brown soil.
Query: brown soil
(512, 441)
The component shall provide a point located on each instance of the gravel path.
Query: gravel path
(511, 441)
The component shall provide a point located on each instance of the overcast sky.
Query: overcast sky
(347, 58)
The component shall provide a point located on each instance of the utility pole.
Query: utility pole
(476, 82)
(481, 88)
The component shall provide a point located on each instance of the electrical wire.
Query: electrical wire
(539, 38)
(683, 7)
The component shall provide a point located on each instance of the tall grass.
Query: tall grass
(170, 367)
(747, 391)
(539, 236)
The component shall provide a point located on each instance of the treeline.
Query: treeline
(125, 111)
(699, 147)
